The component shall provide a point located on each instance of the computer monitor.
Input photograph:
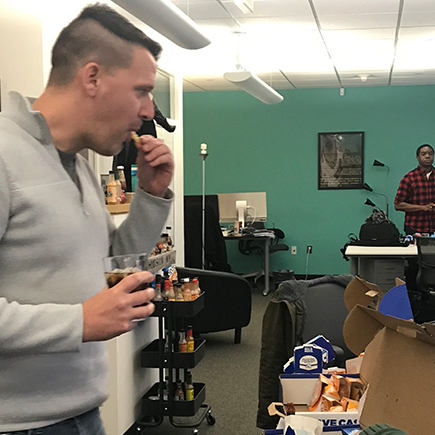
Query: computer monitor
(244, 207)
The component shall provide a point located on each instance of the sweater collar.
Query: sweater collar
(21, 112)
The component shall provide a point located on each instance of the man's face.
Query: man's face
(123, 103)
(425, 157)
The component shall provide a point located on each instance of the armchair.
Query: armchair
(227, 301)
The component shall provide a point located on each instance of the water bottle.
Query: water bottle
(133, 177)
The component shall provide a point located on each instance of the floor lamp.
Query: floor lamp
(203, 154)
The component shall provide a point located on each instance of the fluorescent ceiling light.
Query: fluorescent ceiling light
(164, 17)
(254, 86)
(246, 6)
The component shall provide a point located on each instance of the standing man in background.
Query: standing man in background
(55, 308)
(416, 197)
(416, 194)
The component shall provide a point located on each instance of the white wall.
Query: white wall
(20, 48)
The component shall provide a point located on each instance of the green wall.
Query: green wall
(256, 147)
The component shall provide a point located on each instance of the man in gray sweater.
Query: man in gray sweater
(55, 308)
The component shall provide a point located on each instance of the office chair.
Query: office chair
(248, 247)
(326, 313)
(426, 279)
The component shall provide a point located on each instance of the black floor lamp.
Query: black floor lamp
(203, 154)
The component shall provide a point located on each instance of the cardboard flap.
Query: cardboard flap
(399, 281)
(361, 292)
(363, 323)
(401, 376)
(359, 328)
(430, 328)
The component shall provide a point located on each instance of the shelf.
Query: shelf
(179, 308)
(150, 356)
(151, 405)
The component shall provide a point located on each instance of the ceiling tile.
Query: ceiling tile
(358, 37)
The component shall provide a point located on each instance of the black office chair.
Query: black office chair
(248, 247)
(326, 313)
(426, 279)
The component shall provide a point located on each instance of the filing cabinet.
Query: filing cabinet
(382, 271)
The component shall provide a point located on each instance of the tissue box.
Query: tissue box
(327, 356)
(308, 359)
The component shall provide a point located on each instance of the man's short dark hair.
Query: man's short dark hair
(422, 146)
(99, 34)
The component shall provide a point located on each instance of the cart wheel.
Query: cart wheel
(210, 418)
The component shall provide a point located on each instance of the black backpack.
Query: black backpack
(378, 230)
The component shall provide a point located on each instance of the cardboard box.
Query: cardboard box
(398, 364)
(299, 389)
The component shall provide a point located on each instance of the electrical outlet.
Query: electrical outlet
(309, 249)
(294, 250)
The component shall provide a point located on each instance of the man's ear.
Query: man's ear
(90, 77)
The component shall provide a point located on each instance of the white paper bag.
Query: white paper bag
(301, 425)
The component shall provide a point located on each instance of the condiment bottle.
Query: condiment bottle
(179, 393)
(190, 392)
(190, 340)
(158, 296)
(291, 410)
(133, 177)
(178, 292)
(112, 190)
(122, 178)
(118, 186)
(182, 343)
(165, 389)
(166, 350)
(195, 288)
(187, 293)
(171, 292)
(169, 238)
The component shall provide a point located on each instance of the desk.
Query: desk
(379, 264)
(267, 240)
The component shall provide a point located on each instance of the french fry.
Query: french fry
(135, 137)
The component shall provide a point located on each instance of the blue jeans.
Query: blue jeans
(88, 423)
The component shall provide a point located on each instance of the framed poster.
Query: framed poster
(341, 160)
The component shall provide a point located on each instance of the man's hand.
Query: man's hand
(113, 311)
(406, 207)
(155, 165)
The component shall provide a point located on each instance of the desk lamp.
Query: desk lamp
(370, 203)
(383, 165)
(367, 187)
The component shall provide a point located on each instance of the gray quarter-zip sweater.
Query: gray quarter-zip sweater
(52, 241)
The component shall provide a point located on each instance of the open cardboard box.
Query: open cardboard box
(299, 389)
(398, 364)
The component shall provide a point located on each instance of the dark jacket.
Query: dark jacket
(283, 325)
